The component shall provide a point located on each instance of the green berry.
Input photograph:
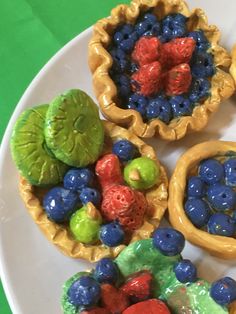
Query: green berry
(85, 224)
(142, 173)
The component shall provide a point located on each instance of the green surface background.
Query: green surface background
(31, 32)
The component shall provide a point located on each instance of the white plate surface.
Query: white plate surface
(32, 270)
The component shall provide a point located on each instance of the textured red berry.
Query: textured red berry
(113, 300)
(147, 80)
(178, 80)
(127, 205)
(108, 171)
(152, 306)
(138, 287)
(96, 310)
(177, 51)
(147, 50)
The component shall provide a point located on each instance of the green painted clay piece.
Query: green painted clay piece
(181, 298)
(84, 228)
(34, 160)
(73, 129)
(141, 173)
(67, 307)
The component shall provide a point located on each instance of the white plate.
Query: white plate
(32, 270)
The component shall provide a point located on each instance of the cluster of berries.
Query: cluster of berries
(211, 197)
(159, 68)
(121, 207)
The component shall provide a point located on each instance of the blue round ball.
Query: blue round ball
(221, 197)
(84, 292)
(159, 108)
(221, 224)
(111, 234)
(124, 149)
(202, 42)
(138, 103)
(181, 106)
(185, 271)
(223, 291)
(59, 204)
(77, 179)
(106, 271)
(197, 211)
(230, 171)
(169, 241)
(199, 90)
(211, 171)
(90, 195)
(196, 187)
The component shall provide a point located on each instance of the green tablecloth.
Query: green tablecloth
(31, 32)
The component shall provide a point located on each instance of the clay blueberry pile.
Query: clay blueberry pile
(211, 197)
(159, 68)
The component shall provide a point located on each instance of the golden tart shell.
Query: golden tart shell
(60, 235)
(220, 246)
(100, 62)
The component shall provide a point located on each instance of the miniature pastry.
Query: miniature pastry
(158, 68)
(202, 197)
(87, 210)
(149, 276)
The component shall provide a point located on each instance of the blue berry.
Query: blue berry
(120, 60)
(84, 292)
(134, 67)
(202, 42)
(90, 195)
(202, 65)
(169, 241)
(139, 103)
(196, 187)
(124, 149)
(59, 204)
(230, 171)
(112, 234)
(221, 224)
(173, 26)
(76, 179)
(223, 291)
(200, 89)
(125, 37)
(123, 85)
(185, 271)
(197, 211)
(149, 26)
(159, 108)
(181, 106)
(211, 171)
(221, 197)
(106, 271)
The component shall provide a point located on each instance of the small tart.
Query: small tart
(60, 235)
(220, 246)
(100, 62)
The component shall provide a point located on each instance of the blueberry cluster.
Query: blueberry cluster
(160, 106)
(211, 197)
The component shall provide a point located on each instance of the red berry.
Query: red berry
(178, 80)
(151, 306)
(146, 50)
(96, 310)
(138, 287)
(147, 80)
(127, 205)
(177, 51)
(113, 300)
(108, 171)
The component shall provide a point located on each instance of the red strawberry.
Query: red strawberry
(178, 80)
(97, 310)
(127, 205)
(147, 80)
(108, 171)
(147, 50)
(177, 51)
(151, 306)
(138, 287)
(113, 300)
